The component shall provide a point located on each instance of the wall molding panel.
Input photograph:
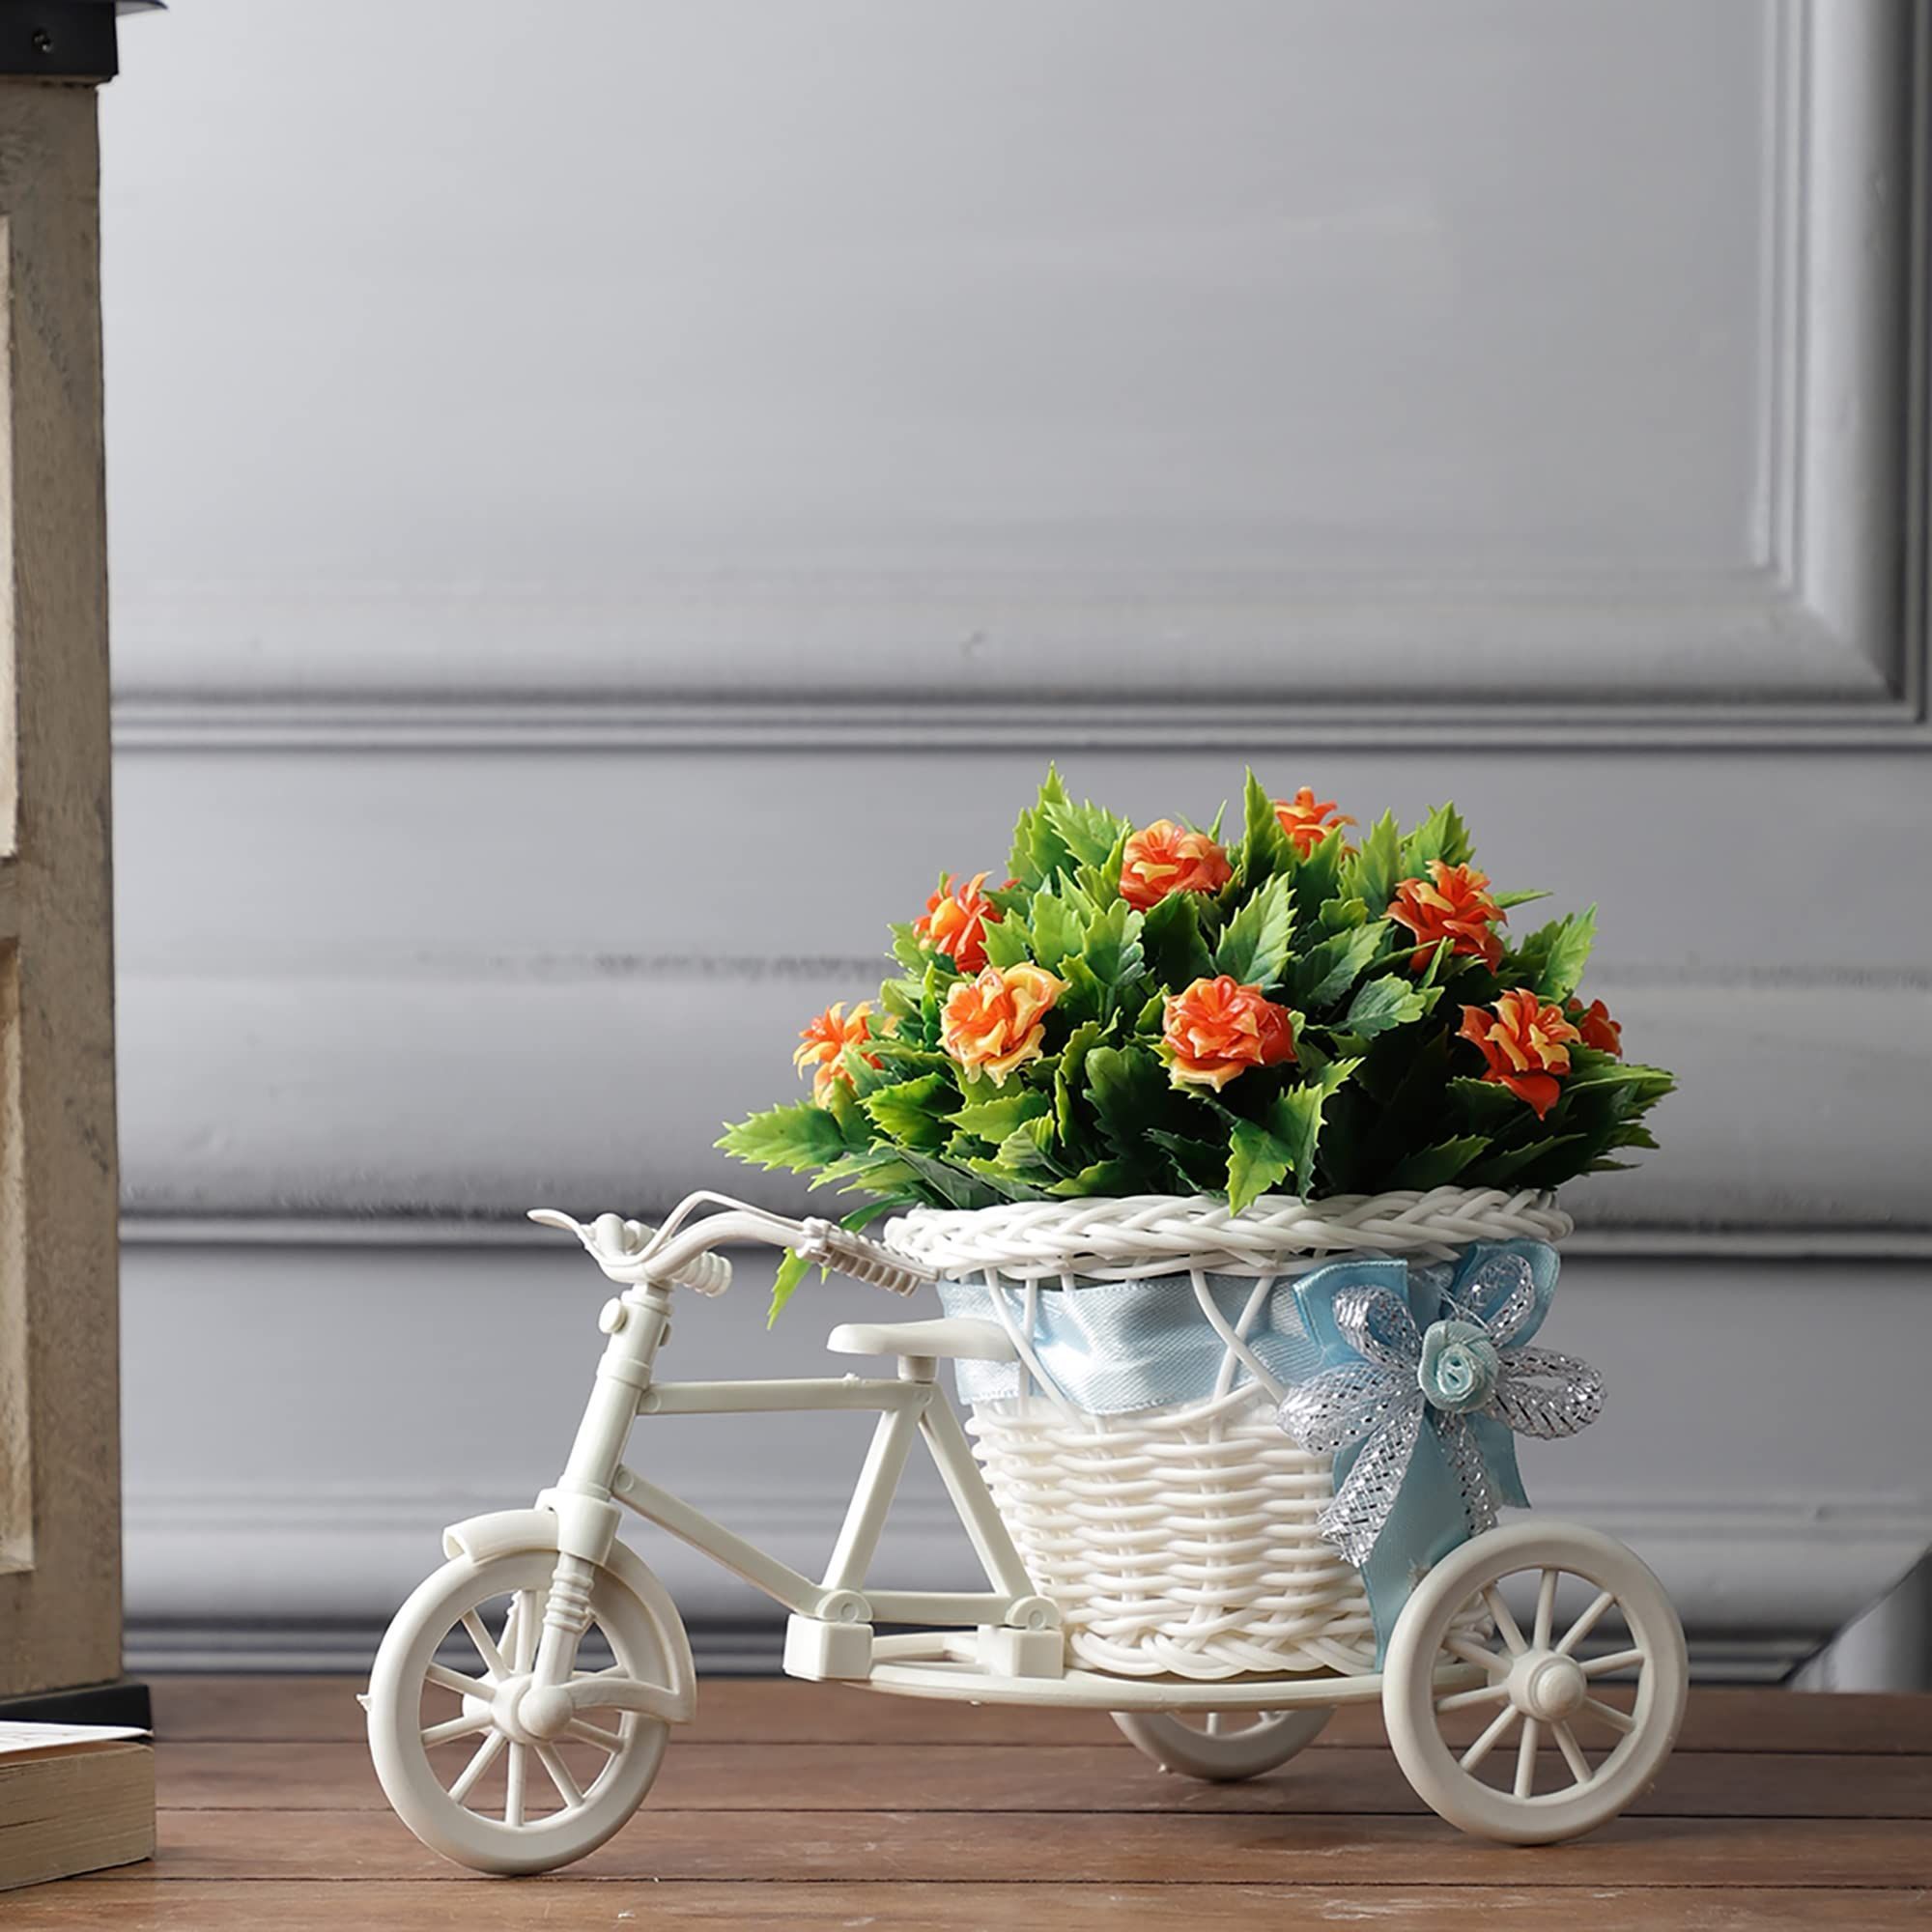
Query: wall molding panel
(1818, 638)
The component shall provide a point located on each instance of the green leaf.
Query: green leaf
(1008, 1183)
(1267, 850)
(1552, 960)
(1295, 1121)
(992, 1121)
(1177, 955)
(1113, 945)
(1254, 949)
(1508, 899)
(1057, 931)
(911, 1111)
(797, 1138)
(1343, 914)
(1389, 1000)
(1128, 1092)
(1373, 872)
(1443, 835)
(1088, 831)
(1008, 941)
(1068, 1074)
(1257, 1162)
(1318, 878)
(1104, 1176)
(1025, 1147)
(792, 1268)
(869, 1171)
(1328, 970)
(1198, 1165)
(1438, 1165)
(1487, 1105)
(1038, 851)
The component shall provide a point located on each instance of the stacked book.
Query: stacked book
(74, 1797)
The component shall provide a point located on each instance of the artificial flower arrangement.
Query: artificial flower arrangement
(1165, 1009)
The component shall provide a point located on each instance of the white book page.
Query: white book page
(21, 1741)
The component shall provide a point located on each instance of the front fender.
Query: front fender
(510, 1532)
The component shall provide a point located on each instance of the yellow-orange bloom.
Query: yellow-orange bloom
(1526, 1044)
(955, 923)
(1452, 904)
(1596, 1028)
(994, 1022)
(1164, 859)
(1306, 820)
(1216, 1029)
(823, 1042)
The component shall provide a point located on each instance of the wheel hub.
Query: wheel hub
(1549, 1684)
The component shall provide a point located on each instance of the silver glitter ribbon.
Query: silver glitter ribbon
(1404, 1377)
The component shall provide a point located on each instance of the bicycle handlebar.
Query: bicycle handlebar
(630, 1253)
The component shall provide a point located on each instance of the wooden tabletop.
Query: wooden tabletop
(794, 1804)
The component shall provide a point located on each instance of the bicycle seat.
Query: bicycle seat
(942, 1341)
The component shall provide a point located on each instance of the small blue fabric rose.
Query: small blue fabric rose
(1459, 1366)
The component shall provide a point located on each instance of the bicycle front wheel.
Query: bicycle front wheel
(447, 1764)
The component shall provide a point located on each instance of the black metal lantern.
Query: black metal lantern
(63, 39)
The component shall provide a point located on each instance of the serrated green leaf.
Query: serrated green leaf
(1438, 1165)
(992, 1121)
(795, 1138)
(1009, 941)
(1258, 1160)
(1057, 931)
(1038, 851)
(1253, 948)
(1088, 831)
(1069, 1073)
(1443, 835)
(1551, 960)
(1175, 953)
(1128, 1092)
(1508, 899)
(1328, 970)
(1484, 1105)
(1342, 915)
(1318, 878)
(1295, 1121)
(1008, 1183)
(1026, 1147)
(1112, 944)
(791, 1270)
(1103, 1177)
(1267, 850)
(1373, 871)
(910, 1111)
(1382, 1004)
(1198, 1166)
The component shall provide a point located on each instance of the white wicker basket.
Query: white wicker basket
(1181, 1540)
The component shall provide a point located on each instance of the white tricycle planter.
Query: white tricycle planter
(1170, 1564)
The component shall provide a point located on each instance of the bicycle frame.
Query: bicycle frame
(830, 1634)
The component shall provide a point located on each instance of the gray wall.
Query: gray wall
(609, 500)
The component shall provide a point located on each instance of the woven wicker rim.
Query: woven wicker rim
(1122, 1237)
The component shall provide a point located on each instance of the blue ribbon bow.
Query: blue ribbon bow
(1424, 1382)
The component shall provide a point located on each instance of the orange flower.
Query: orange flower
(1306, 822)
(1596, 1028)
(993, 1023)
(955, 923)
(1218, 1029)
(823, 1044)
(1456, 907)
(1526, 1043)
(1164, 859)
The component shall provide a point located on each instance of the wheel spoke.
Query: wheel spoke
(1213, 1723)
(1586, 1623)
(447, 1679)
(1573, 1753)
(1489, 1738)
(486, 1645)
(1472, 1652)
(477, 1765)
(456, 1727)
(1506, 1625)
(513, 1789)
(1617, 1659)
(610, 1741)
(1545, 1607)
(559, 1772)
(1463, 1700)
(1526, 1758)
(525, 1652)
(1618, 1720)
